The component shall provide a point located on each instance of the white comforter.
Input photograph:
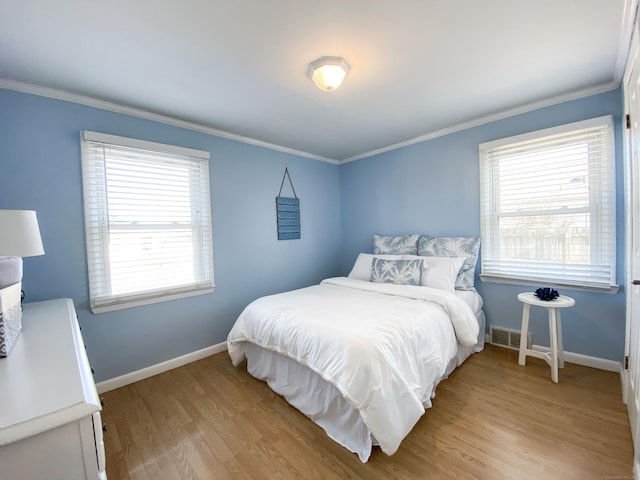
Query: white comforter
(385, 347)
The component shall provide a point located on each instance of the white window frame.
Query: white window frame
(98, 222)
(600, 273)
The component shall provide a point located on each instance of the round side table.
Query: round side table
(555, 356)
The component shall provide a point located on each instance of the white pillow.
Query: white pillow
(439, 272)
(362, 268)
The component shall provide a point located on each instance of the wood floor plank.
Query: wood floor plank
(492, 419)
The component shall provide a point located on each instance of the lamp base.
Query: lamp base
(10, 317)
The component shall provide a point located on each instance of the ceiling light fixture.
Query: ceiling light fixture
(328, 72)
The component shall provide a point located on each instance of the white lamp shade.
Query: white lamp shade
(328, 72)
(20, 234)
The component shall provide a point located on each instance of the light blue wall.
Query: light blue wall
(40, 170)
(433, 188)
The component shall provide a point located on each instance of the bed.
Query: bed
(361, 356)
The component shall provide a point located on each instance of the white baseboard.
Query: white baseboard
(586, 360)
(132, 377)
(580, 359)
(152, 370)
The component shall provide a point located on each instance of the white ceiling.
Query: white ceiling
(418, 67)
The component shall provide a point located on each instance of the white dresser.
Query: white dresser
(50, 425)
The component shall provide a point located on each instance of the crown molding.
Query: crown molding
(136, 112)
(156, 117)
(488, 119)
(629, 14)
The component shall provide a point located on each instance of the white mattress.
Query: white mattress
(322, 402)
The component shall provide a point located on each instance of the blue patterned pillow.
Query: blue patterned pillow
(400, 272)
(396, 245)
(468, 247)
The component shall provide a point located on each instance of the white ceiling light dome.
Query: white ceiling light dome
(328, 72)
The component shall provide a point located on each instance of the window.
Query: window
(548, 206)
(147, 220)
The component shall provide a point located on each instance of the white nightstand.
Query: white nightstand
(555, 356)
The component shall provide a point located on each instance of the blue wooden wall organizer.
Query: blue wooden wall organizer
(288, 212)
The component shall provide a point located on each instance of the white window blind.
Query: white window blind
(147, 220)
(548, 206)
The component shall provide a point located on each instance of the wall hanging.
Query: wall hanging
(288, 212)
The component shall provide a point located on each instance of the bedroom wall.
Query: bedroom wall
(40, 170)
(433, 188)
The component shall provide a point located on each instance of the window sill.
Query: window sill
(148, 301)
(538, 283)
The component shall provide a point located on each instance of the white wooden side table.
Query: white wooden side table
(555, 356)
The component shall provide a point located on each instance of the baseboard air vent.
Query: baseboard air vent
(507, 338)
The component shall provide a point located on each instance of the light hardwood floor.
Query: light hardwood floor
(491, 419)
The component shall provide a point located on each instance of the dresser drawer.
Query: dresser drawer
(99, 441)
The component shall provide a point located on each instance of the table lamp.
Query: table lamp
(19, 237)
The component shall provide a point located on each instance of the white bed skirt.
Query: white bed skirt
(321, 401)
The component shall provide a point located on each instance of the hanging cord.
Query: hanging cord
(286, 174)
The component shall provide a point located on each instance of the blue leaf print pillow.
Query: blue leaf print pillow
(396, 245)
(400, 272)
(468, 247)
